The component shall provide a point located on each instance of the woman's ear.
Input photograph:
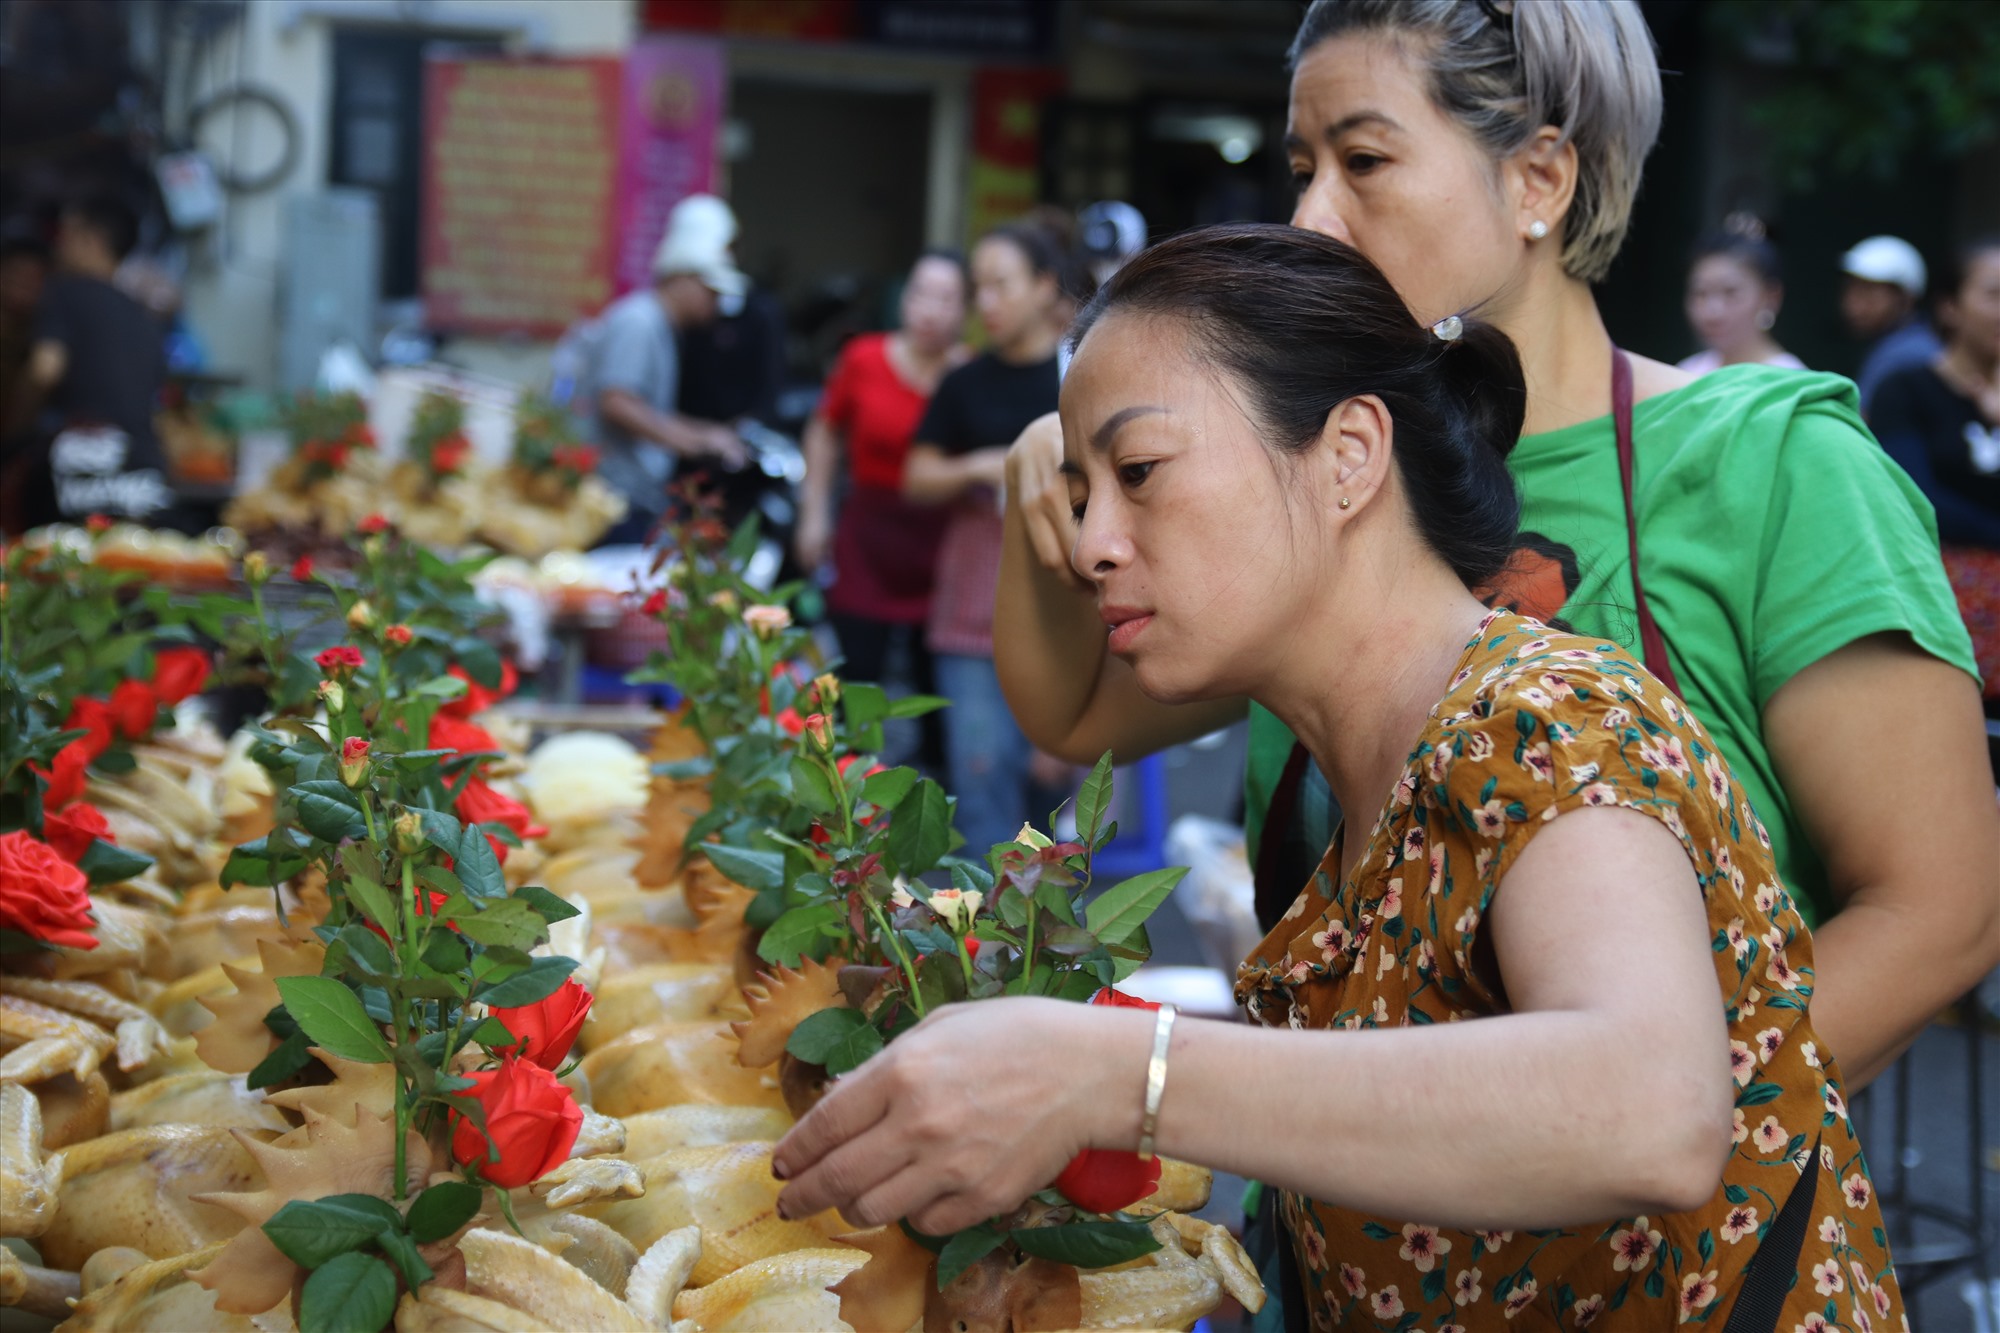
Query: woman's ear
(1544, 181)
(1354, 453)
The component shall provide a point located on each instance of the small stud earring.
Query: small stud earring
(1345, 502)
(1766, 319)
(1537, 229)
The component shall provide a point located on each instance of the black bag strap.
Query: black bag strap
(1774, 1269)
(1652, 644)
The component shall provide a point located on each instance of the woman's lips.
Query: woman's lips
(1125, 627)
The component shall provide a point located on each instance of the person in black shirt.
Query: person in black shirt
(95, 371)
(1942, 421)
(959, 458)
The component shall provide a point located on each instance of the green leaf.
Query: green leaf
(443, 1209)
(837, 1039)
(549, 906)
(329, 811)
(1087, 1244)
(964, 1250)
(476, 865)
(310, 1232)
(1116, 913)
(916, 705)
(542, 979)
(865, 704)
(365, 947)
(332, 1016)
(351, 1293)
(367, 893)
(811, 789)
(290, 1057)
(1092, 800)
(887, 789)
(268, 860)
(752, 869)
(402, 1252)
(920, 828)
(108, 863)
(794, 934)
(481, 662)
(509, 921)
(442, 830)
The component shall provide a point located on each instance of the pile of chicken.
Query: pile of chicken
(136, 1167)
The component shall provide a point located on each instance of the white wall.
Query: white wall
(286, 46)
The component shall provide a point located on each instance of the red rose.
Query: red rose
(399, 635)
(531, 1124)
(179, 673)
(655, 603)
(477, 698)
(72, 829)
(94, 717)
(98, 523)
(362, 435)
(372, 524)
(134, 708)
(42, 895)
(791, 722)
(480, 804)
(354, 749)
(548, 1027)
(340, 661)
(456, 734)
(302, 568)
(449, 454)
(65, 776)
(1102, 1180)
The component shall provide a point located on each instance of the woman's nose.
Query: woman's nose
(1100, 548)
(1318, 211)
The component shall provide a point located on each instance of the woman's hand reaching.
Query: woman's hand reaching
(968, 1114)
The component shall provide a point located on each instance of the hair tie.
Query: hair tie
(1448, 329)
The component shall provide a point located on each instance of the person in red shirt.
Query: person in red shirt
(883, 548)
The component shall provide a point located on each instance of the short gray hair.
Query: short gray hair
(1503, 70)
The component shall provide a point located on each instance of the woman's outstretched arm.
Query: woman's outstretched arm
(1606, 1093)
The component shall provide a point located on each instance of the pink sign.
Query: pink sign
(670, 121)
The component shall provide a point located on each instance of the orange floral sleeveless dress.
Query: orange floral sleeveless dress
(1537, 723)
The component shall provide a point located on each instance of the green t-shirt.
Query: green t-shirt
(1773, 530)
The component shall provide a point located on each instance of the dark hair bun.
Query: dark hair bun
(1305, 323)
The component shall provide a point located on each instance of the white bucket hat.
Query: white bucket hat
(1889, 259)
(700, 231)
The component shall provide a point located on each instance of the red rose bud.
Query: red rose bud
(93, 717)
(43, 896)
(547, 1029)
(1099, 1180)
(333, 696)
(340, 661)
(372, 524)
(477, 698)
(819, 730)
(531, 1124)
(74, 828)
(655, 603)
(179, 673)
(398, 635)
(134, 708)
(98, 523)
(302, 569)
(354, 761)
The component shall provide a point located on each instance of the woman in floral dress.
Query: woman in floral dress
(1535, 1051)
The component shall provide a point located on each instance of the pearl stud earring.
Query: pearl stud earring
(1537, 229)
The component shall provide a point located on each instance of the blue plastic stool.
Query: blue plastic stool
(1141, 844)
(607, 685)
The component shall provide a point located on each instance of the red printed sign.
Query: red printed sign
(520, 158)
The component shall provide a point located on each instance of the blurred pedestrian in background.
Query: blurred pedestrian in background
(1879, 300)
(884, 548)
(1735, 289)
(82, 418)
(627, 364)
(1941, 421)
(959, 460)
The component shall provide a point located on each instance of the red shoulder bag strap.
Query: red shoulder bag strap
(1652, 644)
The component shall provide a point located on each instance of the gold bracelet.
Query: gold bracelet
(1156, 1078)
